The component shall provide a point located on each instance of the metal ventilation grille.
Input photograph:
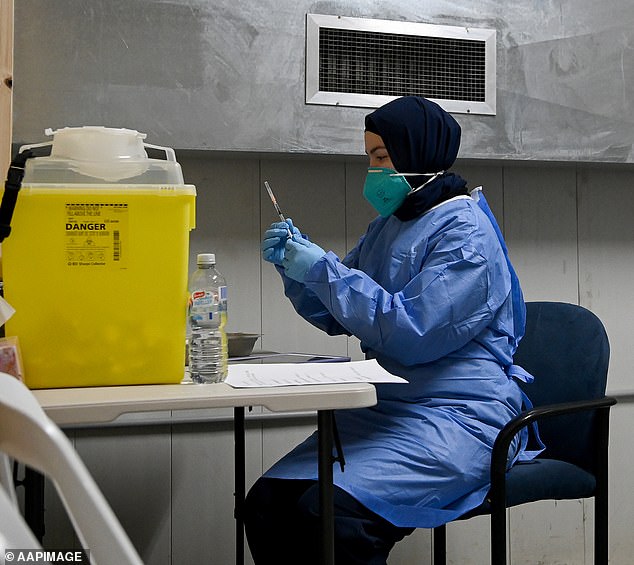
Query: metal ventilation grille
(396, 65)
(360, 62)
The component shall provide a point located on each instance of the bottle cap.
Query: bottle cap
(206, 259)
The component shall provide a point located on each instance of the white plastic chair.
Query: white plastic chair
(14, 532)
(6, 478)
(28, 435)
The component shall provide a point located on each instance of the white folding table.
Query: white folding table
(98, 405)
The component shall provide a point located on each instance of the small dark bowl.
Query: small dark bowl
(241, 344)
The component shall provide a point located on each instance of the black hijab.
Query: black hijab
(420, 137)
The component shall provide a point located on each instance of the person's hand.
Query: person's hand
(300, 255)
(274, 240)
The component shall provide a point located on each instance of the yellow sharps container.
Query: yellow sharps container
(97, 261)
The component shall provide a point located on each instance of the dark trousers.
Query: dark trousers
(282, 526)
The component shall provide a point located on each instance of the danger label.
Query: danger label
(96, 234)
(75, 226)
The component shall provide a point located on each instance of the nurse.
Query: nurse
(430, 293)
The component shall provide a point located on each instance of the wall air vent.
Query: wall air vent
(366, 63)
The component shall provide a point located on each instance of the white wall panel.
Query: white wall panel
(548, 532)
(540, 226)
(414, 549)
(228, 224)
(490, 179)
(312, 194)
(280, 436)
(202, 490)
(621, 486)
(359, 213)
(468, 541)
(132, 466)
(606, 261)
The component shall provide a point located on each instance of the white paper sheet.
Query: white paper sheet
(285, 374)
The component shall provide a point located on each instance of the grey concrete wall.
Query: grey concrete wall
(229, 74)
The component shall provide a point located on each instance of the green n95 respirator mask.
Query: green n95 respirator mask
(385, 190)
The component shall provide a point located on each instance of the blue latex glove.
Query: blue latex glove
(274, 240)
(300, 255)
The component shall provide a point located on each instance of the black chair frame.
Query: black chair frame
(497, 494)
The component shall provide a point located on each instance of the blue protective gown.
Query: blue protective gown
(431, 300)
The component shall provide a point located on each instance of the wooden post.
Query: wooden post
(6, 77)
(6, 97)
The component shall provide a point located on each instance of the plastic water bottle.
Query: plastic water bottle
(207, 319)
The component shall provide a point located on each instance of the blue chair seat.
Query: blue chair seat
(542, 479)
(547, 479)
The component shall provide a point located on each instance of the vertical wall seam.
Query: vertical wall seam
(578, 218)
(345, 227)
(504, 202)
(260, 226)
(171, 471)
(259, 204)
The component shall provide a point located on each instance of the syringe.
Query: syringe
(277, 207)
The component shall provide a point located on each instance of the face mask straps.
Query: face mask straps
(433, 176)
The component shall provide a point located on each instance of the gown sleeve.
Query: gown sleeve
(460, 286)
(308, 305)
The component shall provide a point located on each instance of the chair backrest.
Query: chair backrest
(566, 349)
(28, 435)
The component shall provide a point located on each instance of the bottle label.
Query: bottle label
(208, 305)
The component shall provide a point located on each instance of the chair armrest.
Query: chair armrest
(505, 437)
